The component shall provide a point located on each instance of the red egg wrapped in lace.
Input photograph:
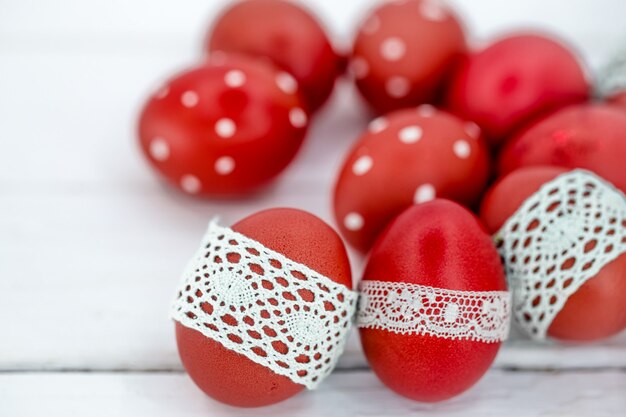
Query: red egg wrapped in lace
(264, 308)
(562, 236)
(434, 307)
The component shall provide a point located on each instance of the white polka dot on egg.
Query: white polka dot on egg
(189, 98)
(224, 165)
(424, 193)
(462, 149)
(286, 82)
(163, 92)
(225, 128)
(426, 110)
(472, 130)
(159, 149)
(217, 58)
(362, 165)
(359, 67)
(378, 125)
(190, 184)
(410, 134)
(353, 221)
(372, 25)
(235, 78)
(298, 117)
(433, 10)
(397, 86)
(393, 49)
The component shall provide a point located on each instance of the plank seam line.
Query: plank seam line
(512, 370)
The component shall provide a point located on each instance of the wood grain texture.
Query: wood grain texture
(519, 394)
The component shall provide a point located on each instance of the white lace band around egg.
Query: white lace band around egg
(405, 308)
(557, 240)
(613, 77)
(257, 302)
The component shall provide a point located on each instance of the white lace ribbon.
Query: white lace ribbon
(405, 308)
(613, 76)
(557, 240)
(259, 303)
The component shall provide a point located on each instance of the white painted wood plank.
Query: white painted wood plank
(140, 22)
(511, 394)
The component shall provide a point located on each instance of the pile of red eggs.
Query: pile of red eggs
(452, 120)
(453, 116)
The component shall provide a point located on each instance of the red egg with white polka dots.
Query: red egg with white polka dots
(514, 80)
(223, 128)
(404, 51)
(288, 35)
(409, 156)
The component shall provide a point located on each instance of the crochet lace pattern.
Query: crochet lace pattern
(257, 302)
(557, 240)
(406, 308)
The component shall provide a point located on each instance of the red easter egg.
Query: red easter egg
(596, 309)
(515, 79)
(223, 128)
(618, 99)
(589, 136)
(404, 52)
(289, 36)
(409, 156)
(438, 244)
(231, 377)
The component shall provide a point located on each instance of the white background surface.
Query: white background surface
(91, 244)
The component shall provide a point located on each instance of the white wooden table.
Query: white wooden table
(91, 245)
